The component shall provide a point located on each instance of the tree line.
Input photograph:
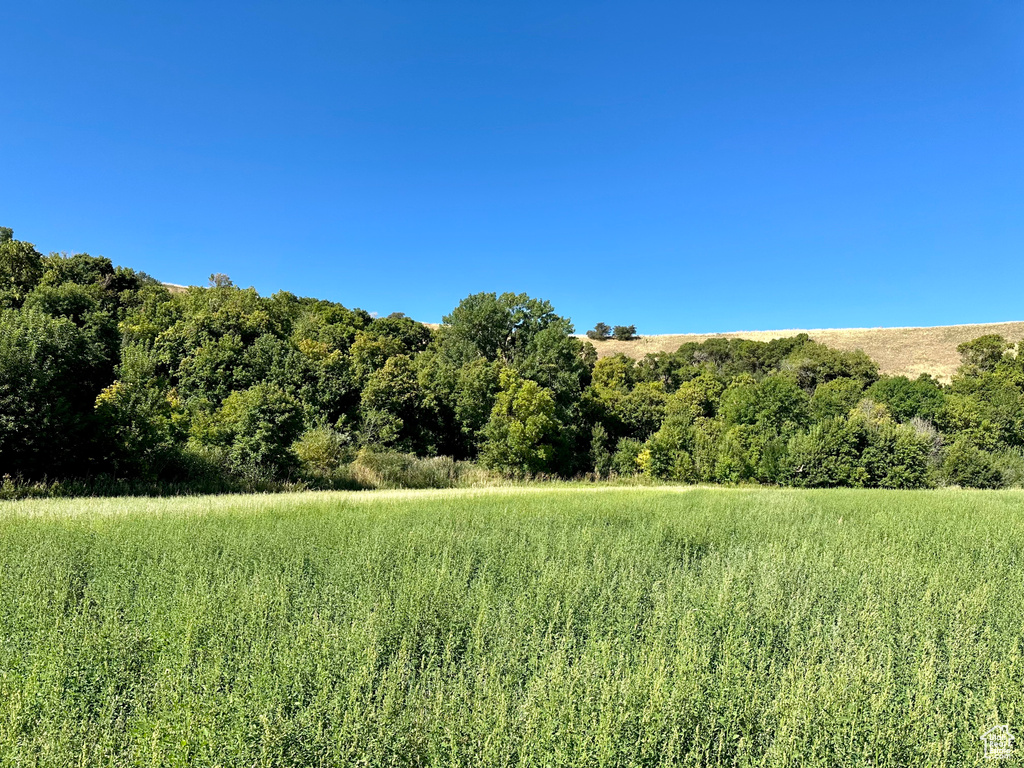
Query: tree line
(106, 374)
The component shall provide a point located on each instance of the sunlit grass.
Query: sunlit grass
(561, 626)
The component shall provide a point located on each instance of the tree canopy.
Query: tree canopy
(105, 373)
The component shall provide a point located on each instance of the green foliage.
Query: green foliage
(812, 364)
(635, 413)
(390, 405)
(666, 455)
(967, 465)
(600, 455)
(256, 427)
(625, 459)
(21, 267)
(775, 404)
(45, 398)
(321, 450)
(699, 397)
(375, 468)
(141, 425)
(838, 397)
(105, 374)
(600, 332)
(500, 328)
(522, 435)
(923, 397)
(865, 448)
(624, 333)
(616, 372)
(985, 352)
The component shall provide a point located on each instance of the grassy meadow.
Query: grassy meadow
(559, 626)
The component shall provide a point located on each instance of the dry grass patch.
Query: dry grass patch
(898, 351)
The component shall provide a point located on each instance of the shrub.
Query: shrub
(966, 465)
(826, 455)
(835, 398)
(897, 456)
(906, 399)
(600, 456)
(984, 352)
(733, 460)
(624, 333)
(600, 332)
(624, 461)
(1010, 463)
(666, 455)
(520, 437)
(256, 427)
(321, 450)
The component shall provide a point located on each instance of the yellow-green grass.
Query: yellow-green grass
(898, 351)
(518, 626)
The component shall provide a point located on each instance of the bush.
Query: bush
(984, 352)
(600, 332)
(825, 456)
(256, 428)
(835, 398)
(1010, 464)
(521, 436)
(967, 465)
(624, 333)
(322, 450)
(906, 399)
(897, 456)
(624, 461)
(600, 456)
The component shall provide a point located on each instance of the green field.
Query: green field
(541, 627)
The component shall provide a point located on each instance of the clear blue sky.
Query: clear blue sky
(682, 166)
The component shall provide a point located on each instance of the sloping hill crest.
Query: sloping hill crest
(898, 351)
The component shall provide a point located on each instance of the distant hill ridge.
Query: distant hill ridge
(898, 351)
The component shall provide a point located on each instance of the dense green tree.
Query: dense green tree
(141, 423)
(922, 397)
(838, 397)
(600, 454)
(104, 371)
(698, 398)
(985, 352)
(825, 456)
(21, 267)
(967, 465)
(391, 406)
(256, 428)
(812, 364)
(47, 393)
(625, 459)
(522, 434)
(500, 328)
(775, 403)
(615, 372)
(624, 332)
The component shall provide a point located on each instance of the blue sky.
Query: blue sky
(687, 167)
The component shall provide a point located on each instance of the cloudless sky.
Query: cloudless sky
(684, 166)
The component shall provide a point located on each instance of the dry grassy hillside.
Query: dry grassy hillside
(898, 351)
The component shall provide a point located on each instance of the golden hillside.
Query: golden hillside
(898, 351)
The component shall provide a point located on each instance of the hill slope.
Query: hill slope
(898, 351)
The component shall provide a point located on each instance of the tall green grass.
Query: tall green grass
(550, 627)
